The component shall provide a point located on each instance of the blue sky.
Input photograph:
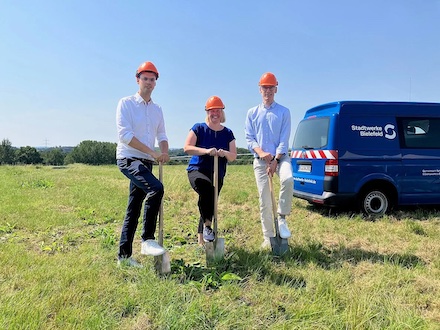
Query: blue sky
(65, 64)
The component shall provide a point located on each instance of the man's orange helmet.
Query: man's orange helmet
(147, 67)
(268, 79)
(214, 102)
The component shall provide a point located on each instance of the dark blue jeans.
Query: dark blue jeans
(143, 186)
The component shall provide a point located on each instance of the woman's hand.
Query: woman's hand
(211, 152)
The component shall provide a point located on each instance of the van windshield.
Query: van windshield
(312, 133)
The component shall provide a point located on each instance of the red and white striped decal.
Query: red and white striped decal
(314, 154)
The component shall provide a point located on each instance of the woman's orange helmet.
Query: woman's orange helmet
(147, 67)
(268, 79)
(214, 102)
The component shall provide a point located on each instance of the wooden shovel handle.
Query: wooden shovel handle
(274, 206)
(160, 240)
(215, 179)
(272, 195)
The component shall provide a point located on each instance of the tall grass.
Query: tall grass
(59, 232)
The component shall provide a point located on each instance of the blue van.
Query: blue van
(375, 155)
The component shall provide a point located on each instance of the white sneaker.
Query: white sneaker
(152, 248)
(266, 243)
(129, 262)
(284, 230)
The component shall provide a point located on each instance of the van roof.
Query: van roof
(371, 107)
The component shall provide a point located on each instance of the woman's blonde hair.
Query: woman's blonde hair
(222, 116)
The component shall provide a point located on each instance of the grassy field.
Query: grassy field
(59, 232)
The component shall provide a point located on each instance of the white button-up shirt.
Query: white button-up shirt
(137, 118)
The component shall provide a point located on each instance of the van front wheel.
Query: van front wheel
(375, 203)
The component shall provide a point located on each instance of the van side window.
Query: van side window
(312, 133)
(420, 133)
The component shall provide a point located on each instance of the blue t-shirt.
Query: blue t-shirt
(208, 138)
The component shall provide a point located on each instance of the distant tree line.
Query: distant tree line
(87, 152)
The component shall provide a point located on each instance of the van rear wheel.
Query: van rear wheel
(375, 203)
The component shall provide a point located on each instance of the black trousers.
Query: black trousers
(144, 186)
(203, 184)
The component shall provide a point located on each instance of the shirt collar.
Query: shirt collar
(270, 107)
(140, 100)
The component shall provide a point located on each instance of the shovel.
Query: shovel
(162, 262)
(215, 250)
(279, 245)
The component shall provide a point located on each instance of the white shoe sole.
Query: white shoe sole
(153, 253)
(153, 249)
(124, 263)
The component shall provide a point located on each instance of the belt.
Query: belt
(143, 160)
(282, 155)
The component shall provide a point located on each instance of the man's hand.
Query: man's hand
(163, 158)
(266, 156)
(272, 167)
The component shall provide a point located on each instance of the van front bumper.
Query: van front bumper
(327, 198)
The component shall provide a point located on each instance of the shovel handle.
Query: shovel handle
(215, 179)
(274, 207)
(160, 240)
(272, 195)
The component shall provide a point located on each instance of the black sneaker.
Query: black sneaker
(208, 234)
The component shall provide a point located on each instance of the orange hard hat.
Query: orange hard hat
(268, 79)
(214, 102)
(147, 67)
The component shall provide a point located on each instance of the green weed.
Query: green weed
(7, 228)
(40, 183)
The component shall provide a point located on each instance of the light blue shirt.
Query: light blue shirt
(268, 128)
(144, 120)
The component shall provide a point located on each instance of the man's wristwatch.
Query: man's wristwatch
(279, 159)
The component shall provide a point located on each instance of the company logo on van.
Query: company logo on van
(375, 131)
(315, 154)
(390, 133)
